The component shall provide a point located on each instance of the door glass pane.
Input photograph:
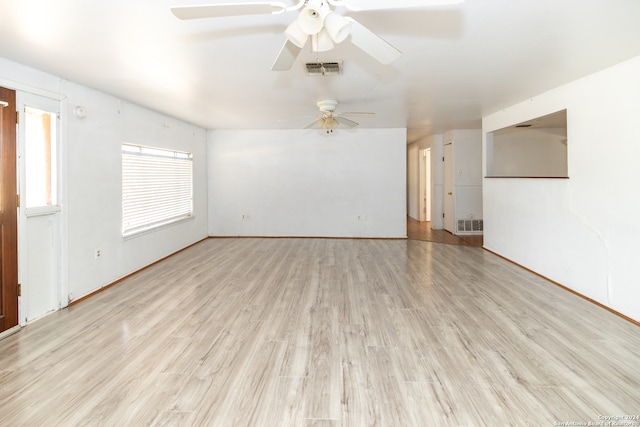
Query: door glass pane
(40, 157)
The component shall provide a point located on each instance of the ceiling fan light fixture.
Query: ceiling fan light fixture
(322, 41)
(330, 123)
(295, 34)
(311, 18)
(337, 27)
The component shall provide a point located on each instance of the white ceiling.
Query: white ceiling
(459, 62)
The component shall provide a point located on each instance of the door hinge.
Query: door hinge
(443, 158)
(17, 200)
(19, 290)
(17, 117)
(443, 215)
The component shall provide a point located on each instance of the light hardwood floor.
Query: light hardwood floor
(323, 332)
(417, 230)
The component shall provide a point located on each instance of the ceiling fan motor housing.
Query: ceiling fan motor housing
(327, 105)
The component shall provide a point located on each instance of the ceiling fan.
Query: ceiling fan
(316, 22)
(329, 119)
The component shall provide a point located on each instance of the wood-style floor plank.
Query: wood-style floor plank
(422, 231)
(323, 332)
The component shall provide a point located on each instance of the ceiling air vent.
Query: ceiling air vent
(324, 68)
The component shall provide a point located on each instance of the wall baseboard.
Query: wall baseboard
(599, 304)
(115, 282)
(10, 332)
(308, 237)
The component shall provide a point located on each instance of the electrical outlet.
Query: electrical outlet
(359, 217)
(245, 217)
(98, 253)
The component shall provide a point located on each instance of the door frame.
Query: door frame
(20, 87)
(9, 267)
(449, 193)
(426, 185)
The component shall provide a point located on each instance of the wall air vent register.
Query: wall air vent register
(324, 68)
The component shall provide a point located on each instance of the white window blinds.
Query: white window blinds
(157, 187)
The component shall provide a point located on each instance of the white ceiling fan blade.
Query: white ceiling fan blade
(316, 123)
(287, 57)
(344, 121)
(360, 5)
(356, 113)
(227, 9)
(372, 44)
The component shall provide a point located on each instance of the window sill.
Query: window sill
(154, 228)
(527, 177)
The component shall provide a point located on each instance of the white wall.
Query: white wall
(307, 183)
(413, 181)
(91, 181)
(95, 188)
(437, 180)
(583, 231)
(467, 172)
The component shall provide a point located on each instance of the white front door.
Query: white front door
(40, 255)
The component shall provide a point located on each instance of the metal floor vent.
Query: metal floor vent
(324, 68)
(470, 225)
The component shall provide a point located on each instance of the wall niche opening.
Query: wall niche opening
(536, 148)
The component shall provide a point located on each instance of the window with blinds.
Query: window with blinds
(157, 187)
